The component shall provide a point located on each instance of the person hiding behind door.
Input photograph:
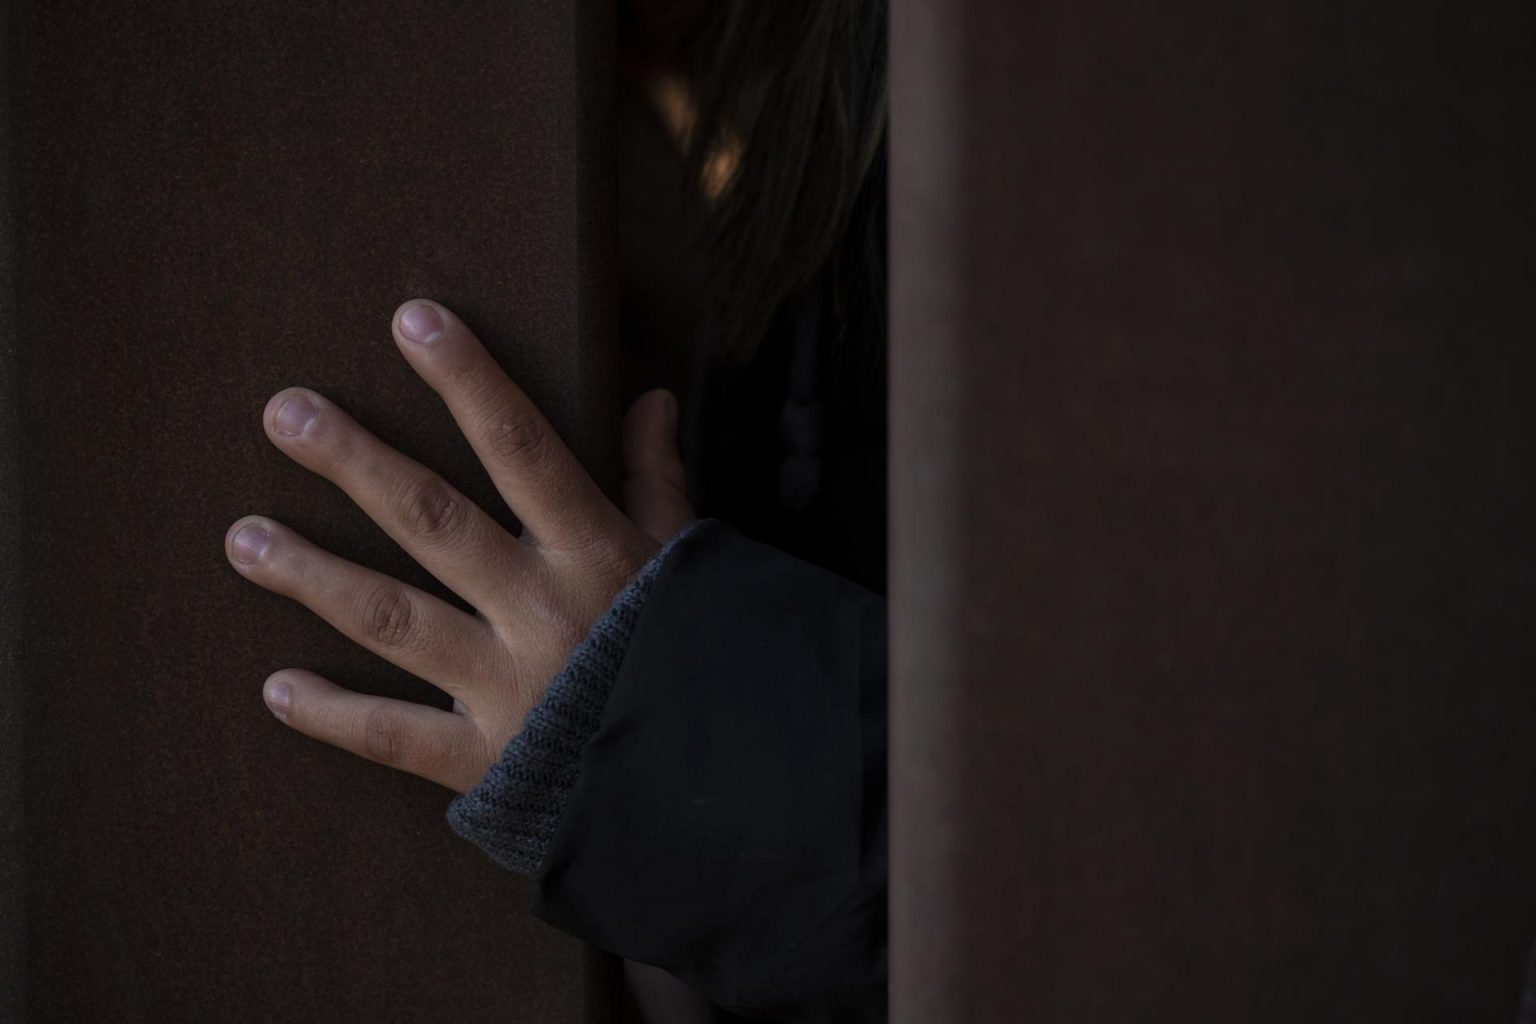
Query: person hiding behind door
(675, 725)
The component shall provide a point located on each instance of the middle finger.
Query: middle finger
(446, 533)
(424, 635)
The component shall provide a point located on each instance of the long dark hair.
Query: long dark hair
(799, 88)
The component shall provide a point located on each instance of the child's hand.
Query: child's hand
(536, 596)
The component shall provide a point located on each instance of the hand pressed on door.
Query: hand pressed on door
(535, 596)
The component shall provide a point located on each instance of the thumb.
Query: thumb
(655, 486)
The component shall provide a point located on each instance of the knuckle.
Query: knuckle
(605, 556)
(565, 620)
(567, 627)
(386, 737)
(389, 618)
(603, 564)
(432, 509)
(463, 752)
(517, 435)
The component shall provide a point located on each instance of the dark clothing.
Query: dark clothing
(728, 822)
(789, 450)
(703, 787)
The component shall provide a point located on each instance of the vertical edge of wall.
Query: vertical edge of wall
(596, 297)
(13, 920)
(928, 949)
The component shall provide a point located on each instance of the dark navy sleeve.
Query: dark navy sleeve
(512, 812)
(727, 820)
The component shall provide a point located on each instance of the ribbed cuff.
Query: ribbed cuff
(512, 813)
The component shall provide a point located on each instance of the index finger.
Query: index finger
(542, 482)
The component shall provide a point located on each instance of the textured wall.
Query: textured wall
(214, 201)
(1212, 511)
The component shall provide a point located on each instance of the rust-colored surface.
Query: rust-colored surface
(1212, 511)
(211, 203)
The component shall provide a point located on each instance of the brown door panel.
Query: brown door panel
(212, 202)
(1212, 511)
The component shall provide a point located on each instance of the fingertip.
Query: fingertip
(419, 300)
(290, 414)
(277, 693)
(245, 550)
(420, 321)
(638, 432)
(670, 407)
(274, 403)
(652, 414)
(286, 688)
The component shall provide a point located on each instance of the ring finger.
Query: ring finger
(446, 533)
(422, 634)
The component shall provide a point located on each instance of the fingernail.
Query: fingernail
(250, 544)
(421, 323)
(296, 414)
(278, 695)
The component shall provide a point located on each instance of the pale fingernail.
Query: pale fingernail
(278, 695)
(421, 323)
(250, 544)
(296, 414)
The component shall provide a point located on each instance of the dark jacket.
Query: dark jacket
(703, 787)
(728, 820)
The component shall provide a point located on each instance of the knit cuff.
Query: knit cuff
(513, 811)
